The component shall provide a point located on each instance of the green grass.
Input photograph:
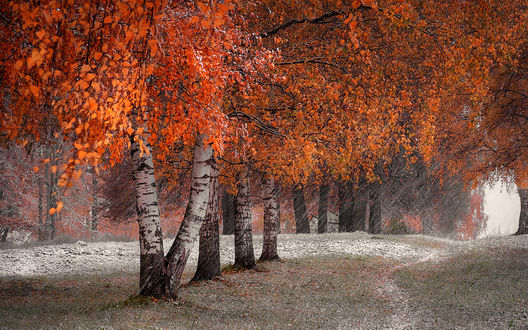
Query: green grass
(478, 289)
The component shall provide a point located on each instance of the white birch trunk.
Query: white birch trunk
(194, 215)
(244, 254)
(150, 236)
(209, 248)
(271, 220)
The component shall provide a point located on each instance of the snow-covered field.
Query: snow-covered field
(422, 282)
(109, 257)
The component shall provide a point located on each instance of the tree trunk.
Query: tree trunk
(302, 225)
(54, 179)
(375, 209)
(95, 205)
(323, 209)
(271, 220)
(189, 231)
(209, 253)
(150, 237)
(244, 255)
(228, 213)
(367, 211)
(3, 234)
(51, 180)
(359, 210)
(278, 213)
(346, 207)
(40, 207)
(523, 217)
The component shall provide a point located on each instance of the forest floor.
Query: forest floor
(347, 280)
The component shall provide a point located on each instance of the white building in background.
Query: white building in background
(502, 206)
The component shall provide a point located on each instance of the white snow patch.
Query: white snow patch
(108, 257)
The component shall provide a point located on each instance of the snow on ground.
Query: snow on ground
(108, 257)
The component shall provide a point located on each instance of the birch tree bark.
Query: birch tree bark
(302, 225)
(3, 234)
(322, 216)
(244, 254)
(180, 250)
(151, 260)
(523, 216)
(209, 253)
(271, 220)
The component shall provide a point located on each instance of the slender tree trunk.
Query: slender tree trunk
(278, 213)
(228, 213)
(51, 198)
(209, 253)
(323, 209)
(302, 225)
(375, 209)
(271, 219)
(3, 234)
(151, 260)
(367, 211)
(189, 231)
(40, 207)
(54, 179)
(244, 254)
(523, 217)
(95, 205)
(360, 205)
(346, 207)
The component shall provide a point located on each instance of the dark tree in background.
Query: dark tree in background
(228, 213)
(438, 200)
(523, 217)
(345, 197)
(322, 216)
(302, 224)
(375, 208)
(118, 202)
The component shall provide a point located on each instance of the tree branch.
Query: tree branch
(323, 19)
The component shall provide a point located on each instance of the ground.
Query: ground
(323, 281)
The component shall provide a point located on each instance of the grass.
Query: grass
(301, 293)
(478, 289)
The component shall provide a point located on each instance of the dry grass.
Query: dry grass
(484, 287)
(479, 289)
(301, 293)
